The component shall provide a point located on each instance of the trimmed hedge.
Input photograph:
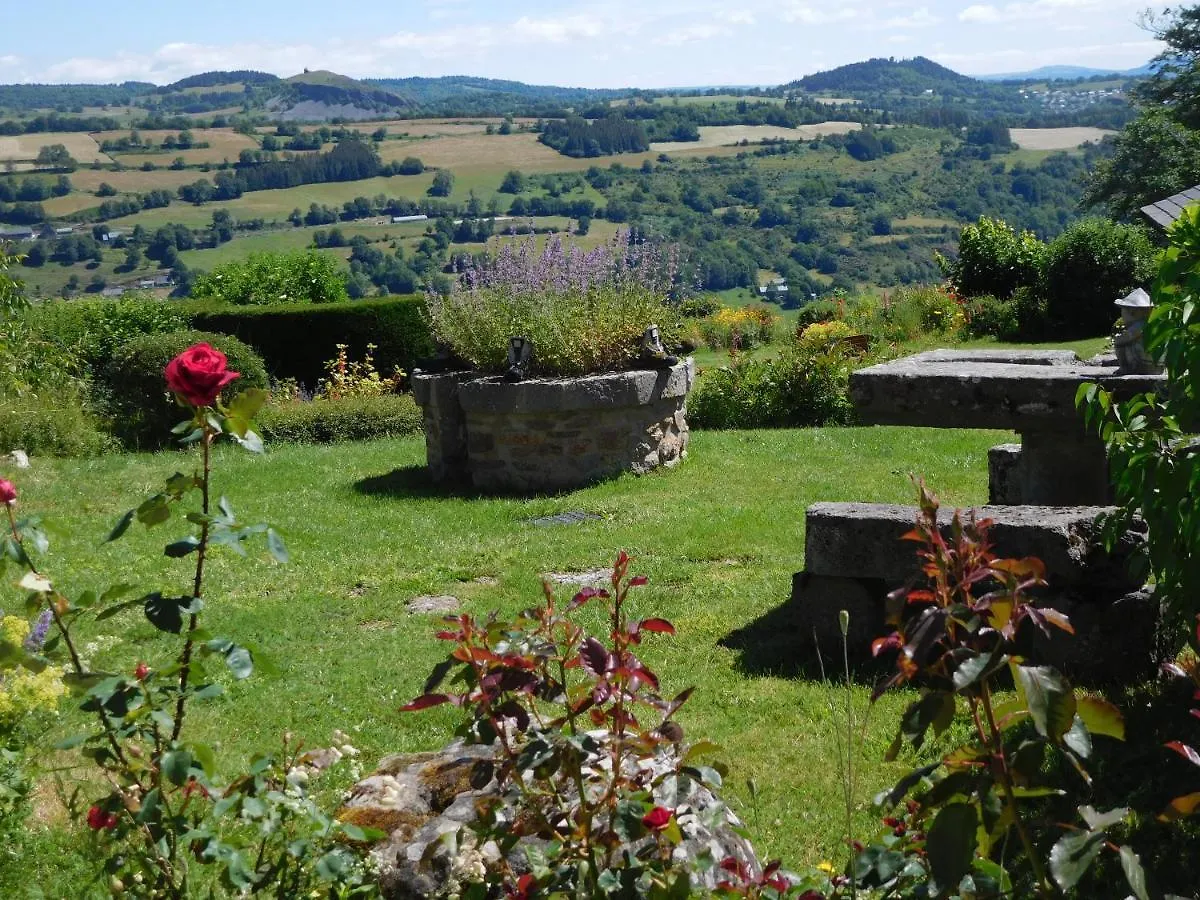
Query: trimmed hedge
(143, 411)
(331, 421)
(297, 340)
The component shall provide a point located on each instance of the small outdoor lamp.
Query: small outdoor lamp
(1130, 345)
(520, 351)
(654, 354)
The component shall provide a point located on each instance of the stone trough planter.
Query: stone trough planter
(555, 433)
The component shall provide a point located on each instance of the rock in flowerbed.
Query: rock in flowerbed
(425, 803)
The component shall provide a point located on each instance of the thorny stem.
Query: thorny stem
(997, 741)
(76, 662)
(185, 659)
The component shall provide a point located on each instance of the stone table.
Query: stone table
(1032, 392)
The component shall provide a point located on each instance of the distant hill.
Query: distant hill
(1069, 73)
(468, 94)
(327, 95)
(904, 76)
(219, 79)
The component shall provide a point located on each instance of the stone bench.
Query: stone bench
(854, 557)
(1031, 392)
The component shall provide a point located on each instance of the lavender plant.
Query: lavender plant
(584, 310)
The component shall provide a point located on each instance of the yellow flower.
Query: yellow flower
(827, 867)
(14, 630)
(23, 692)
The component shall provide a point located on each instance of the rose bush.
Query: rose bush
(169, 820)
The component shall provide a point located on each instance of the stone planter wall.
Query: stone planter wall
(553, 434)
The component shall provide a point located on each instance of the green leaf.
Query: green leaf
(950, 844)
(245, 406)
(251, 441)
(1079, 739)
(1134, 874)
(1098, 821)
(1073, 855)
(935, 709)
(1101, 717)
(176, 765)
(165, 613)
(1050, 698)
(154, 511)
(204, 756)
(72, 742)
(121, 527)
(240, 662)
(276, 546)
(182, 548)
(115, 592)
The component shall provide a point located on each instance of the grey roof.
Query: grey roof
(1165, 212)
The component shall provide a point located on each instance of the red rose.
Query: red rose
(141, 671)
(657, 819)
(8, 492)
(98, 819)
(198, 374)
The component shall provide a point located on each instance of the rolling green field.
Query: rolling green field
(718, 539)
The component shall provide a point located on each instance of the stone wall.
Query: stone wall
(554, 434)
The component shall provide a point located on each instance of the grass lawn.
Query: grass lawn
(719, 538)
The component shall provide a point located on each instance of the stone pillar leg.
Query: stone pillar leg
(1063, 468)
(1004, 475)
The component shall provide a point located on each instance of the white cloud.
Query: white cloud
(690, 34)
(737, 17)
(918, 18)
(1118, 55)
(10, 60)
(981, 14)
(806, 14)
(1034, 10)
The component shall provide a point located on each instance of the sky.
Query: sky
(613, 43)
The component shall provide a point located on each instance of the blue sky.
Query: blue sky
(614, 43)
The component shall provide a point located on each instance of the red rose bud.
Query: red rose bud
(657, 819)
(141, 671)
(98, 819)
(8, 492)
(199, 374)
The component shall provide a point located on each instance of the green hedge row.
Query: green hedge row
(297, 340)
(348, 419)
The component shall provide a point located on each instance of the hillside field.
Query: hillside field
(82, 146)
(727, 135)
(1056, 138)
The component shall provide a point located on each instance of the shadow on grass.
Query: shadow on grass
(413, 482)
(781, 644)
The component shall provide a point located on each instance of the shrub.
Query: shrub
(802, 386)
(349, 378)
(741, 329)
(303, 276)
(297, 340)
(53, 422)
(1089, 266)
(987, 316)
(584, 311)
(994, 259)
(92, 330)
(325, 421)
(142, 411)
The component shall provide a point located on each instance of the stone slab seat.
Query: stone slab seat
(854, 557)
(1013, 390)
(862, 540)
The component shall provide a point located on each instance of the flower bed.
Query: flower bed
(553, 434)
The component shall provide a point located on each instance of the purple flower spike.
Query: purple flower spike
(37, 637)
